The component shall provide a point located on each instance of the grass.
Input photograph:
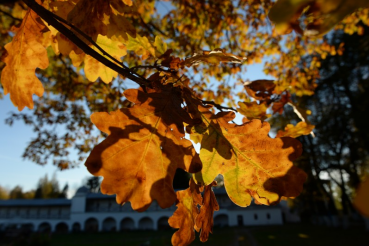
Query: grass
(307, 235)
(220, 237)
(286, 235)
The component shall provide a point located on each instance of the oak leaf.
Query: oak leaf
(215, 57)
(144, 148)
(185, 215)
(204, 221)
(253, 110)
(361, 200)
(252, 163)
(302, 128)
(260, 89)
(94, 69)
(323, 14)
(25, 54)
(279, 105)
(141, 46)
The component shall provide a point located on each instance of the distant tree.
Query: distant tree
(93, 184)
(4, 193)
(16, 193)
(49, 188)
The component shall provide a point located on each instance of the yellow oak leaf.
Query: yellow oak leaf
(253, 110)
(185, 215)
(302, 128)
(119, 26)
(204, 221)
(144, 148)
(25, 54)
(94, 69)
(161, 47)
(141, 46)
(252, 163)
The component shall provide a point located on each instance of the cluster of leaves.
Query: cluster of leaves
(169, 104)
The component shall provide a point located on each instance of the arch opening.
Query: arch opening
(91, 225)
(221, 220)
(146, 224)
(61, 228)
(127, 224)
(163, 223)
(44, 227)
(109, 224)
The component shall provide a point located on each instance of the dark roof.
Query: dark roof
(99, 196)
(35, 202)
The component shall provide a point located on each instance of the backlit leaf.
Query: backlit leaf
(253, 110)
(215, 57)
(324, 14)
(94, 69)
(260, 89)
(204, 221)
(25, 54)
(252, 163)
(141, 46)
(185, 215)
(144, 148)
(302, 128)
(361, 201)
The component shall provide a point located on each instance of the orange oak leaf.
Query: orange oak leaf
(302, 128)
(144, 148)
(252, 163)
(204, 220)
(279, 105)
(215, 56)
(185, 215)
(253, 110)
(361, 200)
(260, 89)
(25, 54)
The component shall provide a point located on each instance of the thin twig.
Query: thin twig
(219, 107)
(51, 20)
(7, 14)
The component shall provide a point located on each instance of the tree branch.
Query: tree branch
(51, 20)
(219, 107)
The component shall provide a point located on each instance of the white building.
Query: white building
(97, 212)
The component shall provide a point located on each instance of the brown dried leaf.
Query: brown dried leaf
(144, 148)
(185, 215)
(260, 89)
(204, 221)
(302, 128)
(25, 54)
(279, 105)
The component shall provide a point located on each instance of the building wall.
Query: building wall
(103, 214)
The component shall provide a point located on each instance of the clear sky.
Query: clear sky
(14, 139)
(15, 170)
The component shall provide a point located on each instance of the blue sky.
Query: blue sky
(15, 170)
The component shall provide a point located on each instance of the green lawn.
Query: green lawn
(309, 235)
(286, 235)
(221, 237)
